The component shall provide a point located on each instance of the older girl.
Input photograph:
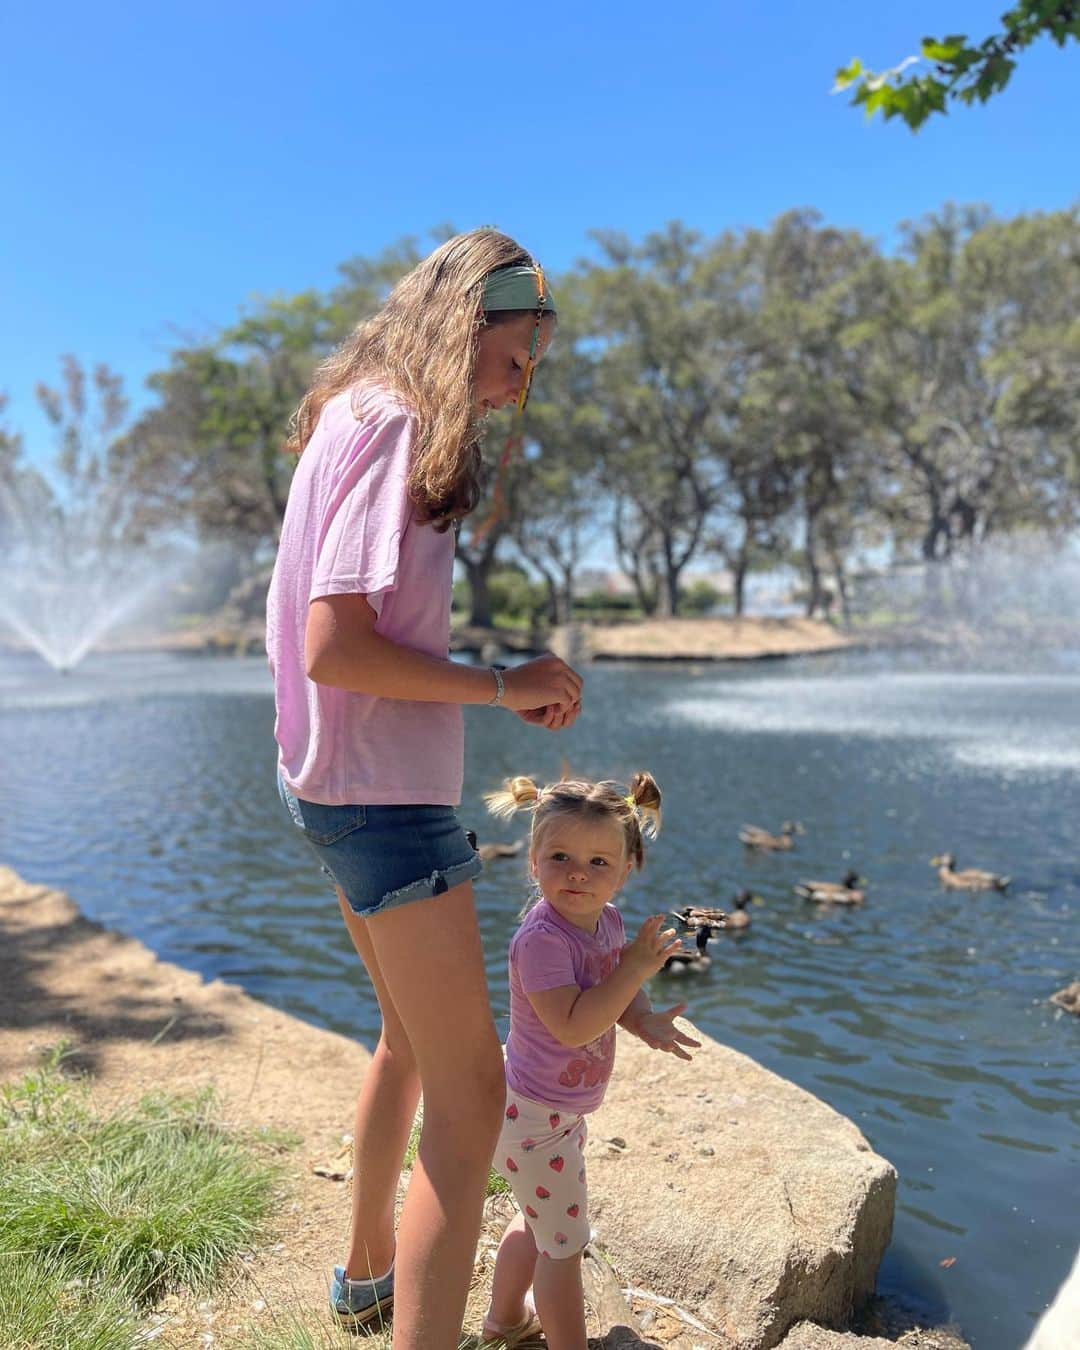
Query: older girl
(369, 733)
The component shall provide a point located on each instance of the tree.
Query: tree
(557, 502)
(812, 289)
(660, 321)
(973, 391)
(962, 70)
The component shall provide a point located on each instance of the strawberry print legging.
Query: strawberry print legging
(541, 1153)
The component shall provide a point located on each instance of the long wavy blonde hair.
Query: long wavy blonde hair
(422, 345)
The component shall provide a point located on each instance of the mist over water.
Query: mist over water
(144, 786)
(1025, 581)
(71, 574)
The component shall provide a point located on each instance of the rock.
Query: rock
(807, 1336)
(786, 1222)
(1059, 1326)
(1068, 998)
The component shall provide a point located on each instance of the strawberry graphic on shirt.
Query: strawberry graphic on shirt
(553, 1120)
(512, 1112)
(561, 1239)
(531, 1212)
(573, 1210)
(556, 1162)
(511, 1165)
(542, 1193)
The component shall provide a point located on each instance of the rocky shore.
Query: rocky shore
(732, 1208)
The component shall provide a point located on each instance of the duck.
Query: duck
(694, 916)
(970, 879)
(844, 892)
(739, 918)
(697, 916)
(753, 836)
(489, 852)
(692, 963)
(1068, 998)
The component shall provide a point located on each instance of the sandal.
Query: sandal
(358, 1301)
(528, 1328)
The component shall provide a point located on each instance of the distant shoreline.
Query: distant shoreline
(706, 639)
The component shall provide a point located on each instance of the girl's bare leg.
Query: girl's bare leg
(431, 961)
(560, 1302)
(385, 1111)
(514, 1267)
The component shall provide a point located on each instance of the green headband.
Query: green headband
(516, 288)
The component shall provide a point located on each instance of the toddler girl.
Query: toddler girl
(571, 979)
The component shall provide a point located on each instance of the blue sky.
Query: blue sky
(165, 163)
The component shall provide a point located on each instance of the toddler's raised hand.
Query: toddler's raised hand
(658, 1030)
(651, 948)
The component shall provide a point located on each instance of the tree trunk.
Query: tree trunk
(814, 596)
(738, 576)
(477, 573)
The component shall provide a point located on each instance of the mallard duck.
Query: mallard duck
(691, 963)
(970, 879)
(738, 918)
(697, 916)
(844, 892)
(753, 836)
(488, 852)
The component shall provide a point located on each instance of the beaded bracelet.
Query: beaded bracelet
(500, 687)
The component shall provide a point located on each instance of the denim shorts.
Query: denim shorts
(382, 856)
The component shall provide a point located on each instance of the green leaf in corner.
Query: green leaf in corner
(847, 75)
(947, 49)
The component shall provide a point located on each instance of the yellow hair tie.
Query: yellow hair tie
(630, 800)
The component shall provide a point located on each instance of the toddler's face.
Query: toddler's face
(502, 353)
(580, 864)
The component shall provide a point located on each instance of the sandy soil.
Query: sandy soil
(714, 639)
(138, 1024)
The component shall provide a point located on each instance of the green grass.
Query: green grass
(154, 1197)
(41, 1305)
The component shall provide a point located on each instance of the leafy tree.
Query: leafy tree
(972, 392)
(558, 501)
(962, 69)
(814, 289)
(661, 315)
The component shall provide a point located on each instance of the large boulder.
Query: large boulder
(736, 1193)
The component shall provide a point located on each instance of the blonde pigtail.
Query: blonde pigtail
(517, 794)
(645, 795)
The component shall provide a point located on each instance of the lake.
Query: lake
(144, 786)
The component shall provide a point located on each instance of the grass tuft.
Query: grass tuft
(42, 1305)
(151, 1198)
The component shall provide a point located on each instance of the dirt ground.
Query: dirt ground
(137, 1024)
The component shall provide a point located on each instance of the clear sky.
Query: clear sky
(165, 163)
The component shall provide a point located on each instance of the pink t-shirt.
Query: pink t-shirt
(351, 528)
(547, 952)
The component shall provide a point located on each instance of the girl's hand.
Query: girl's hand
(545, 685)
(651, 948)
(552, 717)
(657, 1029)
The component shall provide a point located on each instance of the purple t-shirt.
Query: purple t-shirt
(350, 527)
(547, 952)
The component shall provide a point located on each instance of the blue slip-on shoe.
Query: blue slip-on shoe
(358, 1301)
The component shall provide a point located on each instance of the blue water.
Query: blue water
(144, 787)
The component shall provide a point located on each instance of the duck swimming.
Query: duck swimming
(753, 836)
(488, 852)
(970, 879)
(691, 963)
(844, 892)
